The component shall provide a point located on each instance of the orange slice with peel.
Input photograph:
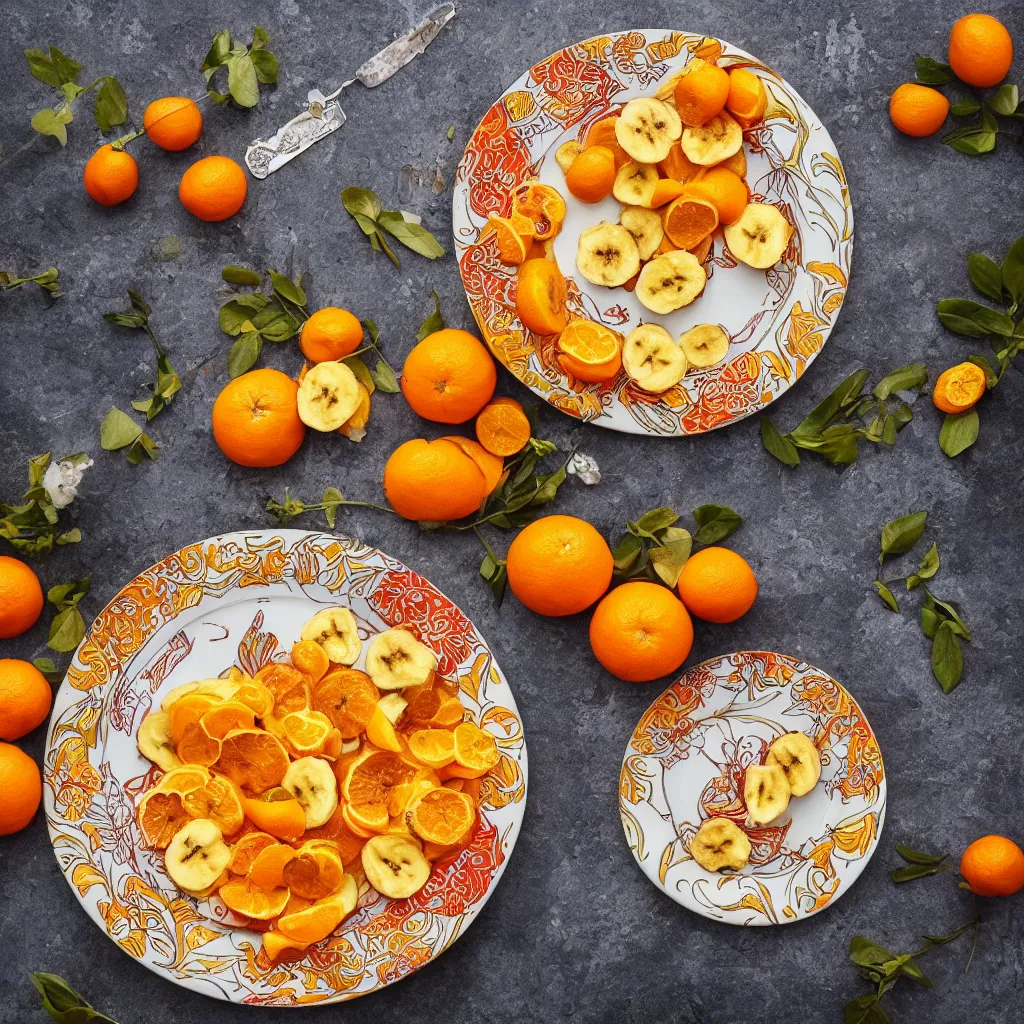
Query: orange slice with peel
(188, 711)
(267, 869)
(309, 657)
(441, 816)
(160, 817)
(256, 697)
(253, 759)
(228, 715)
(511, 244)
(340, 835)
(688, 220)
(315, 872)
(197, 746)
(245, 851)
(381, 732)
(589, 343)
(290, 687)
(475, 749)
(543, 206)
(184, 779)
(276, 943)
(433, 747)
(243, 897)
(318, 921)
(503, 428)
(306, 732)
(450, 713)
(284, 819)
(347, 697)
(371, 819)
(220, 801)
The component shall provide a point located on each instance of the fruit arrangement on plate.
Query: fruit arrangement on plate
(286, 794)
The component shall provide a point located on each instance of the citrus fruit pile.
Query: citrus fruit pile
(287, 792)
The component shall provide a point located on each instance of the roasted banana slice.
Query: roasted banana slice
(154, 740)
(396, 659)
(765, 792)
(197, 855)
(671, 281)
(312, 782)
(720, 845)
(392, 706)
(800, 760)
(646, 129)
(634, 183)
(704, 345)
(334, 629)
(760, 236)
(652, 359)
(566, 153)
(328, 396)
(646, 228)
(606, 254)
(713, 142)
(395, 866)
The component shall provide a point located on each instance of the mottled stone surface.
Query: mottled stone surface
(574, 930)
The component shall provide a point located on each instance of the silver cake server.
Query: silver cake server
(323, 114)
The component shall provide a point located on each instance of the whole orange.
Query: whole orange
(111, 175)
(993, 866)
(330, 334)
(918, 110)
(725, 190)
(256, 419)
(717, 585)
(591, 175)
(21, 597)
(213, 188)
(641, 631)
(25, 698)
(21, 787)
(980, 50)
(173, 123)
(449, 376)
(559, 565)
(433, 481)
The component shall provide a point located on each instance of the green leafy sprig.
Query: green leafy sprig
(63, 1003)
(835, 426)
(365, 209)
(918, 864)
(56, 69)
(252, 318)
(47, 280)
(31, 526)
(68, 627)
(1003, 283)
(118, 430)
(283, 512)
(247, 67)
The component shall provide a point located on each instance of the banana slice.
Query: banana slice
(391, 706)
(766, 793)
(566, 153)
(396, 659)
(395, 866)
(197, 855)
(704, 345)
(652, 359)
(671, 281)
(606, 254)
(646, 228)
(800, 760)
(154, 740)
(713, 142)
(720, 845)
(312, 782)
(634, 183)
(646, 129)
(760, 236)
(328, 396)
(334, 629)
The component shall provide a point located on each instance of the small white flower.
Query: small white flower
(62, 479)
(585, 467)
(411, 218)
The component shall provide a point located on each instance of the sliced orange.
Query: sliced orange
(197, 746)
(244, 897)
(347, 697)
(267, 869)
(290, 687)
(184, 779)
(424, 703)
(589, 343)
(256, 697)
(503, 427)
(220, 801)
(490, 465)
(381, 732)
(187, 711)
(161, 816)
(368, 785)
(316, 922)
(228, 715)
(688, 220)
(678, 166)
(406, 792)
(543, 206)
(254, 760)
(665, 190)
(433, 747)
(275, 944)
(475, 749)
(450, 713)
(511, 244)
(365, 820)
(725, 189)
(247, 849)
(284, 819)
(600, 374)
(702, 248)
(441, 816)
(602, 133)
(309, 657)
(306, 732)
(333, 745)
(315, 872)
(338, 832)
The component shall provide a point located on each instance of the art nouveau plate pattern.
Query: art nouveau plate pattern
(241, 599)
(685, 763)
(777, 321)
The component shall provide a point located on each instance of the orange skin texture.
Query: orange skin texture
(489, 464)
(679, 167)
(717, 585)
(980, 50)
(641, 631)
(330, 334)
(25, 698)
(918, 110)
(602, 373)
(449, 376)
(590, 352)
(591, 175)
(725, 190)
(959, 388)
(256, 419)
(433, 481)
(993, 866)
(21, 597)
(111, 176)
(541, 294)
(559, 565)
(665, 190)
(22, 788)
(688, 220)
(213, 188)
(748, 99)
(602, 133)
(701, 94)
(173, 123)
(503, 428)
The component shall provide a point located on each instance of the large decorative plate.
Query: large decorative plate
(685, 763)
(777, 321)
(241, 599)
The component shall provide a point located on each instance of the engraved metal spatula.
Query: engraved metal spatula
(323, 114)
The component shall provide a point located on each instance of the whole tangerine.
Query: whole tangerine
(993, 866)
(329, 334)
(980, 50)
(256, 419)
(449, 376)
(22, 789)
(111, 175)
(213, 188)
(25, 698)
(717, 585)
(433, 481)
(918, 110)
(21, 597)
(173, 123)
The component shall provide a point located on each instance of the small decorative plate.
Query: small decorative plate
(241, 599)
(777, 321)
(685, 763)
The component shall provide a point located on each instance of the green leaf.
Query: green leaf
(234, 313)
(959, 431)
(932, 72)
(49, 671)
(241, 276)
(778, 444)
(384, 378)
(949, 612)
(361, 202)
(411, 235)
(865, 953)
(1013, 271)
(991, 377)
(886, 595)
(496, 575)
(1004, 100)
(906, 378)
(265, 65)
(274, 324)
(451, 132)
(67, 69)
(218, 52)
(243, 85)
(900, 535)
(244, 353)
(361, 371)
(927, 569)
(66, 631)
(947, 659)
(434, 322)
(962, 316)
(973, 143)
(865, 1009)
(332, 501)
(627, 552)
(930, 619)
(288, 289)
(814, 424)
(166, 249)
(69, 537)
(986, 275)
(657, 519)
(912, 856)
(548, 487)
(715, 522)
(41, 67)
(668, 558)
(53, 122)
(111, 105)
(118, 430)
(965, 109)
